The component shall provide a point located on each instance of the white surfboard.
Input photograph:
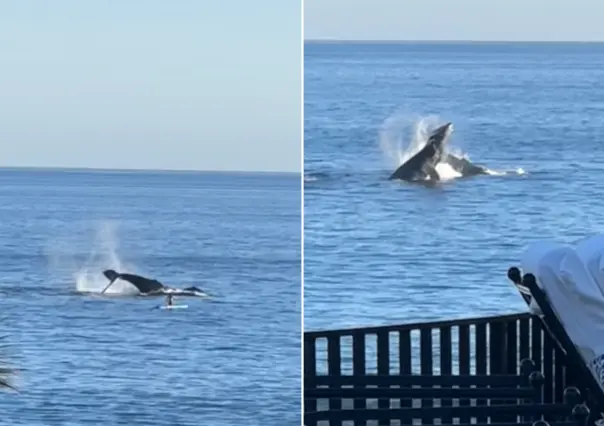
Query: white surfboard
(171, 307)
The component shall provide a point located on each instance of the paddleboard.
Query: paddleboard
(171, 307)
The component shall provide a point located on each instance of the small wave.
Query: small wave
(518, 171)
(315, 176)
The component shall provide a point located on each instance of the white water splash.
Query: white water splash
(518, 171)
(103, 255)
(402, 136)
(63, 255)
(446, 172)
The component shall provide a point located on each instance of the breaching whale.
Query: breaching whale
(422, 166)
(149, 287)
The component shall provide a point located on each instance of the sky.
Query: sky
(151, 84)
(476, 20)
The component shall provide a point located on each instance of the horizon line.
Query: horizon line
(436, 41)
(143, 170)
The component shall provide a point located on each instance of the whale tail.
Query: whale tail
(111, 275)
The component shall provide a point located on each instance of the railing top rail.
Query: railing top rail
(415, 326)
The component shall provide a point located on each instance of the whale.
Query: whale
(148, 286)
(464, 167)
(422, 166)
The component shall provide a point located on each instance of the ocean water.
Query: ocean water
(88, 360)
(380, 252)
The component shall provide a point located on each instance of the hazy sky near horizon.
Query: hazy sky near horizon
(151, 84)
(509, 20)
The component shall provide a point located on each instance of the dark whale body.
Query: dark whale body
(150, 287)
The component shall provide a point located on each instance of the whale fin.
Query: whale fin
(109, 285)
(112, 276)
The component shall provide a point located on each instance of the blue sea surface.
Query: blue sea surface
(378, 251)
(232, 359)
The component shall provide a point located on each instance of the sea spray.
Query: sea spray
(403, 135)
(103, 255)
(82, 262)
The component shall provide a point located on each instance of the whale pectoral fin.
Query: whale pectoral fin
(109, 285)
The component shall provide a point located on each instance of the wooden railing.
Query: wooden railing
(478, 346)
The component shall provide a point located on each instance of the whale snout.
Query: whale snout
(443, 132)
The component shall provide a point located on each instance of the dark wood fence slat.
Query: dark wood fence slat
(559, 375)
(524, 338)
(536, 347)
(446, 363)
(548, 371)
(446, 351)
(358, 368)
(464, 362)
(310, 370)
(511, 349)
(496, 341)
(383, 366)
(334, 368)
(404, 358)
(426, 363)
(496, 348)
(511, 357)
(481, 357)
